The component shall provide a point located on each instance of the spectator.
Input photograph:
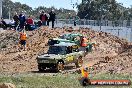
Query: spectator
(48, 16)
(52, 18)
(22, 20)
(43, 17)
(29, 20)
(23, 39)
(30, 23)
(3, 23)
(16, 19)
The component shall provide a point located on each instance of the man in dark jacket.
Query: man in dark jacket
(4, 24)
(22, 20)
(52, 18)
(16, 19)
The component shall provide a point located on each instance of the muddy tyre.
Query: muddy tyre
(60, 66)
(79, 62)
(41, 67)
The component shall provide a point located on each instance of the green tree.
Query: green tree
(108, 9)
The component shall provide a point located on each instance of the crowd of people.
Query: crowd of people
(46, 18)
(20, 21)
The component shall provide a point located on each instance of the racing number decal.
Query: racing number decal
(69, 58)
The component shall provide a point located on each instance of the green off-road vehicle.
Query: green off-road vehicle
(67, 38)
(71, 38)
(59, 55)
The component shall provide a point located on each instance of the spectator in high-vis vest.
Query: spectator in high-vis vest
(83, 43)
(85, 76)
(23, 38)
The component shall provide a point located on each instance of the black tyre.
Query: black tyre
(41, 67)
(60, 66)
(79, 62)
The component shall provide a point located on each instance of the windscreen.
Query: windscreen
(52, 42)
(65, 36)
(57, 50)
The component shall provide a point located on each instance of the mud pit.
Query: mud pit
(13, 60)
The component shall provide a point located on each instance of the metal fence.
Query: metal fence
(116, 23)
(122, 29)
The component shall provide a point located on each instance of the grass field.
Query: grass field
(57, 81)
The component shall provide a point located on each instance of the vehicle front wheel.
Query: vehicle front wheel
(79, 62)
(41, 67)
(60, 66)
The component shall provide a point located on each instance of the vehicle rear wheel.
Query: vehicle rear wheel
(79, 62)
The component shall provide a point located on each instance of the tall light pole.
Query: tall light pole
(9, 12)
(121, 18)
(1, 8)
(74, 4)
(69, 18)
(101, 8)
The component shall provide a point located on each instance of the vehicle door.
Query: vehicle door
(69, 55)
(77, 40)
(72, 54)
(75, 52)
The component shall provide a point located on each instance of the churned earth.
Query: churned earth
(112, 54)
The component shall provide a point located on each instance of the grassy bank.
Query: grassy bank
(57, 81)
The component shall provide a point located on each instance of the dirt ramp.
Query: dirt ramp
(13, 60)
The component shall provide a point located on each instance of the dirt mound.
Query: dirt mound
(13, 60)
(7, 85)
(121, 63)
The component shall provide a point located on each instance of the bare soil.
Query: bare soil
(112, 54)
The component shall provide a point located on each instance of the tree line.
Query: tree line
(103, 9)
(88, 9)
(12, 7)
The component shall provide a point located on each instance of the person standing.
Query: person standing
(4, 24)
(85, 77)
(43, 17)
(52, 18)
(22, 20)
(23, 38)
(16, 19)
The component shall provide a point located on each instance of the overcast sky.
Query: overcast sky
(61, 3)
